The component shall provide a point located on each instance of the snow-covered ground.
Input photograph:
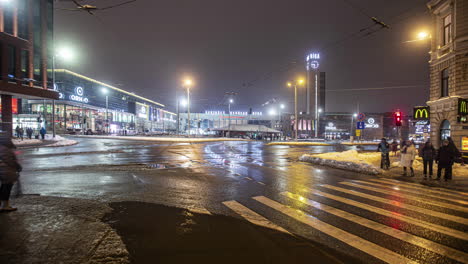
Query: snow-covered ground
(347, 160)
(168, 139)
(294, 143)
(26, 141)
(58, 141)
(360, 143)
(369, 162)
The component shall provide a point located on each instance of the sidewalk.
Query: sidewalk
(58, 230)
(369, 163)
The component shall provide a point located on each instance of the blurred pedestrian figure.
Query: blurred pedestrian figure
(408, 154)
(43, 132)
(29, 132)
(445, 159)
(394, 147)
(17, 130)
(384, 149)
(428, 153)
(9, 172)
(21, 133)
(456, 152)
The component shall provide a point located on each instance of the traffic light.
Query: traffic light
(397, 116)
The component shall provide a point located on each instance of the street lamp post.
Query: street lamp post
(104, 91)
(295, 105)
(352, 123)
(187, 84)
(318, 123)
(229, 124)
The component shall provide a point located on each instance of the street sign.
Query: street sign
(361, 117)
(358, 132)
(360, 125)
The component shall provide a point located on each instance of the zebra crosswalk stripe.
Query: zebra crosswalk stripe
(339, 234)
(453, 218)
(409, 238)
(413, 191)
(408, 196)
(252, 216)
(408, 219)
(420, 187)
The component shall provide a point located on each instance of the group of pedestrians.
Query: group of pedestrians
(445, 157)
(19, 131)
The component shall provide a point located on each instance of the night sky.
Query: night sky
(245, 46)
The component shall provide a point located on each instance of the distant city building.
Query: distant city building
(315, 88)
(449, 71)
(26, 43)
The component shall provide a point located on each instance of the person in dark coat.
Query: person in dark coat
(384, 148)
(445, 159)
(43, 132)
(29, 132)
(394, 147)
(9, 172)
(427, 153)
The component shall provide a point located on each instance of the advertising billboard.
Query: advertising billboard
(142, 111)
(464, 144)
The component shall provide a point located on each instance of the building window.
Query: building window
(444, 85)
(11, 62)
(8, 20)
(25, 64)
(23, 8)
(447, 30)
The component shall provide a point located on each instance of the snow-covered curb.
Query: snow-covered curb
(349, 160)
(298, 144)
(19, 142)
(166, 139)
(63, 143)
(359, 143)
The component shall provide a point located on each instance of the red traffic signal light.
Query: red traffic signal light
(397, 116)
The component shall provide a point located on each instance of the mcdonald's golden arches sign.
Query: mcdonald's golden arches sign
(421, 112)
(462, 107)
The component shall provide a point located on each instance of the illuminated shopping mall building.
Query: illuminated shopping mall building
(84, 103)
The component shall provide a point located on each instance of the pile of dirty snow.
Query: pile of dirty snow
(347, 160)
(26, 141)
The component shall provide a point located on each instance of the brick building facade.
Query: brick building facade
(448, 69)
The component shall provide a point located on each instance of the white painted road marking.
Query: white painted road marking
(453, 218)
(339, 234)
(252, 216)
(401, 235)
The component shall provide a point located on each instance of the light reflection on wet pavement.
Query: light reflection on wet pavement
(204, 175)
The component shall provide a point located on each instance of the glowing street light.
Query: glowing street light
(65, 53)
(423, 35)
(272, 112)
(183, 102)
(188, 83)
(282, 106)
(295, 84)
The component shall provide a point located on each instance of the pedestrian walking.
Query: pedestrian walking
(43, 132)
(384, 149)
(445, 159)
(29, 132)
(21, 133)
(456, 152)
(408, 154)
(17, 130)
(394, 147)
(9, 172)
(428, 154)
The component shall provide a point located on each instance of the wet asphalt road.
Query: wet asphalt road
(335, 216)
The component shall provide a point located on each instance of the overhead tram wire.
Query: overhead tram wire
(289, 66)
(377, 88)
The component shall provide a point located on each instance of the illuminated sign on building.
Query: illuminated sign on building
(421, 112)
(312, 61)
(313, 56)
(463, 107)
(142, 111)
(464, 143)
(330, 126)
(78, 96)
(422, 127)
(371, 123)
